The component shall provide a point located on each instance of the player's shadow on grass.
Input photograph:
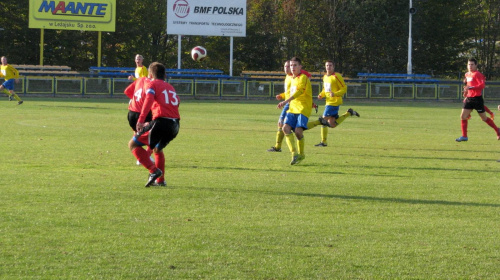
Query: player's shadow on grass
(397, 200)
(355, 197)
(298, 170)
(385, 170)
(431, 158)
(419, 150)
(76, 107)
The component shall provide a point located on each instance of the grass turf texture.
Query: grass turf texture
(392, 196)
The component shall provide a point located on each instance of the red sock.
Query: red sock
(148, 149)
(491, 123)
(160, 164)
(142, 156)
(464, 128)
(487, 110)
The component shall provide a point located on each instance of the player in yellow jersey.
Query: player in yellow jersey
(140, 70)
(10, 74)
(283, 96)
(299, 112)
(334, 88)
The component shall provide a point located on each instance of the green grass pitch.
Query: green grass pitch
(393, 196)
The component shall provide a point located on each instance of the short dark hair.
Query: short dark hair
(296, 59)
(473, 60)
(157, 70)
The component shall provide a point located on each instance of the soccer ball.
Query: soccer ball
(198, 53)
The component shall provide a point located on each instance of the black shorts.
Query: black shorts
(133, 117)
(161, 132)
(474, 103)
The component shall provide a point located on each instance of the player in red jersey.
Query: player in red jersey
(474, 99)
(163, 101)
(492, 115)
(135, 91)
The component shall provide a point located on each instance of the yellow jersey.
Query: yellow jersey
(141, 72)
(286, 94)
(9, 72)
(333, 83)
(301, 90)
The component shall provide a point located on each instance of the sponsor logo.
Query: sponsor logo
(181, 8)
(73, 8)
(218, 10)
(94, 10)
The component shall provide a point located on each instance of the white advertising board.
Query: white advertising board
(207, 17)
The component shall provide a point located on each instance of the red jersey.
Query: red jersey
(135, 91)
(162, 99)
(476, 80)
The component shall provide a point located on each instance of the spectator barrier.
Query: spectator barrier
(220, 86)
(120, 72)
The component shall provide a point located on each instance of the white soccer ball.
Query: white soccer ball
(198, 53)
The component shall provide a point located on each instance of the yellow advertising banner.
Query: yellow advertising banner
(89, 15)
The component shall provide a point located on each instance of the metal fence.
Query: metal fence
(244, 88)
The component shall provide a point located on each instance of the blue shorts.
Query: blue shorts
(283, 112)
(331, 111)
(296, 120)
(9, 84)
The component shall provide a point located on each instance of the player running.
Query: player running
(283, 96)
(334, 88)
(300, 109)
(474, 100)
(163, 101)
(10, 75)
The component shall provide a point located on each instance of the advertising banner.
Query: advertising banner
(207, 18)
(89, 15)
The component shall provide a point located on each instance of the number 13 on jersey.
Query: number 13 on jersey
(174, 100)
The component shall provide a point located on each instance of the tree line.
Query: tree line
(359, 35)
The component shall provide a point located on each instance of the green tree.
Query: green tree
(485, 18)
(18, 42)
(441, 34)
(359, 35)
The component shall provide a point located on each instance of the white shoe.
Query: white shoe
(138, 163)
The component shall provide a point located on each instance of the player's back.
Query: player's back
(166, 103)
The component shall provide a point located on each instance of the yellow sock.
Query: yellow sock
(313, 124)
(279, 138)
(324, 133)
(290, 141)
(342, 118)
(16, 97)
(301, 146)
(6, 92)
